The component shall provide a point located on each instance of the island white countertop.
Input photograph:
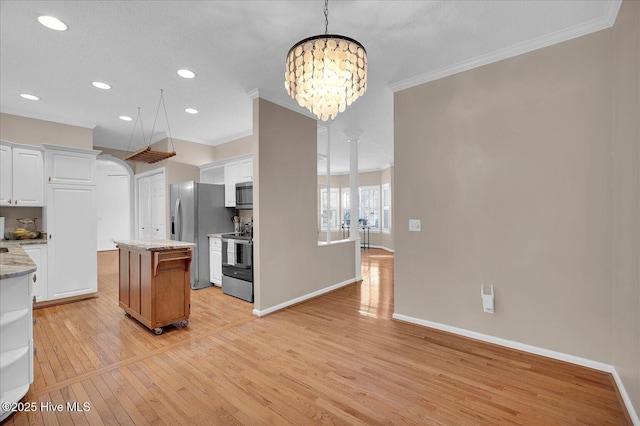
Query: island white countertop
(15, 262)
(154, 245)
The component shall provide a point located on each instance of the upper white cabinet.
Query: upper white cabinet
(6, 175)
(22, 176)
(70, 166)
(231, 172)
(245, 168)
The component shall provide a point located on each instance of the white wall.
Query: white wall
(289, 263)
(113, 199)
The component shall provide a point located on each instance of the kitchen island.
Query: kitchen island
(17, 272)
(155, 281)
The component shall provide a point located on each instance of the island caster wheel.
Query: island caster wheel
(158, 331)
(184, 323)
(127, 314)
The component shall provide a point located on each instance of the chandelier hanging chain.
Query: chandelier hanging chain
(326, 17)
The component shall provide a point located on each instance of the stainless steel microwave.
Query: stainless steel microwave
(244, 195)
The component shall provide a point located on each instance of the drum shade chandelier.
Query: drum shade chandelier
(326, 73)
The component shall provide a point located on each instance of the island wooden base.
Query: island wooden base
(154, 286)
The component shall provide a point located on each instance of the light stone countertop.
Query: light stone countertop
(154, 245)
(16, 262)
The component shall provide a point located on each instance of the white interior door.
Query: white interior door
(114, 203)
(158, 215)
(151, 217)
(144, 208)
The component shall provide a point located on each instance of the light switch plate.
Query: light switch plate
(414, 225)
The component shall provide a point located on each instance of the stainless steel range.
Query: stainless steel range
(237, 266)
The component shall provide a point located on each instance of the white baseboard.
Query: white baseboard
(263, 312)
(625, 397)
(534, 350)
(383, 248)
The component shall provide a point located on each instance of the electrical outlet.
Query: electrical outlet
(487, 300)
(414, 225)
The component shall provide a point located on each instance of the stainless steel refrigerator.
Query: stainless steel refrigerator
(197, 209)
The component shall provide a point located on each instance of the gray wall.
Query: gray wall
(289, 262)
(511, 169)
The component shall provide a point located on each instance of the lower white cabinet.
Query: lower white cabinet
(70, 219)
(38, 253)
(16, 341)
(215, 260)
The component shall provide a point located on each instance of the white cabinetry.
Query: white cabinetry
(71, 223)
(6, 175)
(38, 253)
(215, 260)
(16, 340)
(22, 176)
(245, 170)
(236, 172)
(231, 171)
(70, 219)
(66, 165)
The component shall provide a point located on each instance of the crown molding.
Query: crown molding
(605, 21)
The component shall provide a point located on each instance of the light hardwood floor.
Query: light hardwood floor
(336, 359)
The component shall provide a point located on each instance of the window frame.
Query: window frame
(386, 207)
(324, 220)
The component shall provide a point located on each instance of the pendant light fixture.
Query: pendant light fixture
(326, 73)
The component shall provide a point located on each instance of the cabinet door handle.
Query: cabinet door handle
(50, 237)
(10, 201)
(49, 178)
(34, 299)
(34, 320)
(15, 202)
(34, 278)
(35, 351)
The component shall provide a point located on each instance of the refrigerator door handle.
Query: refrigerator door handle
(178, 216)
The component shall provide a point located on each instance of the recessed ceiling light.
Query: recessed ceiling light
(186, 73)
(125, 118)
(52, 23)
(101, 85)
(30, 97)
(191, 110)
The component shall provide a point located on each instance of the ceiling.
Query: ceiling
(238, 47)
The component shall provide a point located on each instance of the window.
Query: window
(346, 209)
(369, 207)
(369, 212)
(386, 208)
(327, 216)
